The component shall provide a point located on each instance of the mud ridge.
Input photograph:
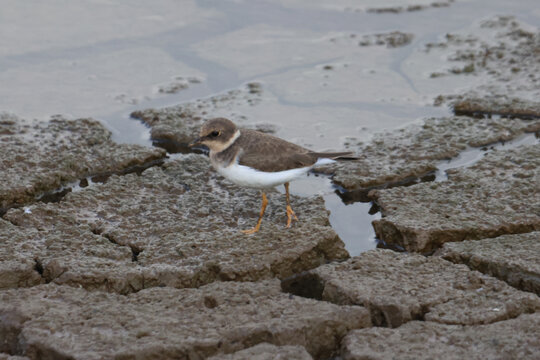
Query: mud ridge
(311, 286)
(402, 238)
(371, 280)
(490, 256)
(57, 195)
(137, 169)
(480, 113)
(504, 273)
(479, 108)
(362, 194)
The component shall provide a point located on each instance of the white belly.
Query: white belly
(246, 176)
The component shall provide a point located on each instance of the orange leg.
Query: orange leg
(290, 212)
(263, 208)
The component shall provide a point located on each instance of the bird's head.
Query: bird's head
(217, 134)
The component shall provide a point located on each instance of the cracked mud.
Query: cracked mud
(159, 229)
(498, 195)
(168, 322)
(490, 256)
(114, 251)
(39, 157)
(398, 288)
(512, 339)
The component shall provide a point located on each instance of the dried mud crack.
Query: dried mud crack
(67, 152)
(397, 288)
(495, 196)
(175, 323)
(148, 230)
(490, 256)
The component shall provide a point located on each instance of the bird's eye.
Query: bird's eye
(215, 133)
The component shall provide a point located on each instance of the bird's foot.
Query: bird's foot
(263, 207)
(254, 230)
(251, 231)
(290, 216)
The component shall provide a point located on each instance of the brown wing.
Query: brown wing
(268, 153)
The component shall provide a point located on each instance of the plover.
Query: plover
(254, 159)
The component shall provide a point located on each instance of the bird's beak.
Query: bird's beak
(195, 142)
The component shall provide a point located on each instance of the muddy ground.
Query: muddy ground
(113, 250)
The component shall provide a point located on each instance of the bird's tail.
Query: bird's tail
(346, 155)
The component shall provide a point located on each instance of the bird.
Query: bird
(254, 159)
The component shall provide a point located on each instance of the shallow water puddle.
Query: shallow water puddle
(351, 218)
(472, 155)
(351, 221)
